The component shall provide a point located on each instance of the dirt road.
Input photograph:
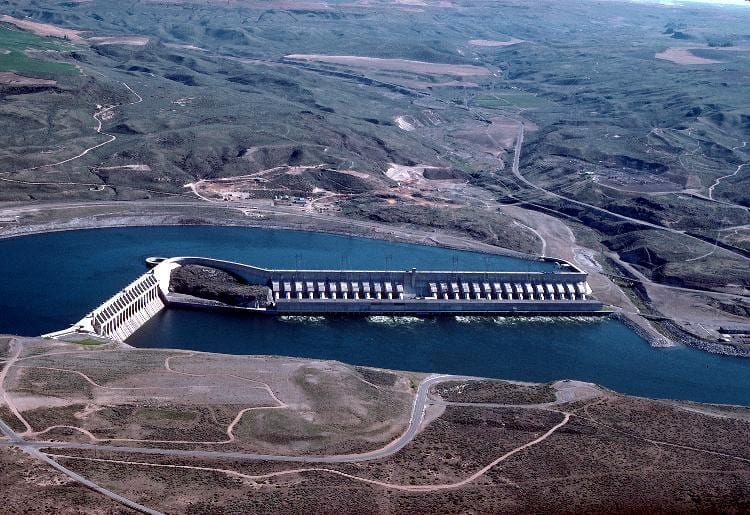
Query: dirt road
(101, 111)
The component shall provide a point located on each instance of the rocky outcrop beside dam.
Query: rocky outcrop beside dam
(214, 284)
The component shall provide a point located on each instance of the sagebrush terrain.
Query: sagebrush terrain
(180, 432)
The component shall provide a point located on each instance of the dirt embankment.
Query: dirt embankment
(683, 56)
(13, 79)
(376, 63)
(43, 29)
(119, 40)
(49, 30)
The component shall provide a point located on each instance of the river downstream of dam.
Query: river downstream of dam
(52, 279)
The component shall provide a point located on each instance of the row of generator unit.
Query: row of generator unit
(336, 290)
(508, 291)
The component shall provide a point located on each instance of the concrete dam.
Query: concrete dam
(564, 291)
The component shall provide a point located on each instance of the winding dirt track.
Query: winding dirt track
(97, 116)
(565, 393)
(538, 235)
(384, 484)
(16, 352)
(17, 441)
(230, 428)
(718, 181)
(34, 448)
(415, 422)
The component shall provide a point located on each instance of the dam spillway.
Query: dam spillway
(126, 311)
(564, 291)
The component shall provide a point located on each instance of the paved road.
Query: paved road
(415, 423)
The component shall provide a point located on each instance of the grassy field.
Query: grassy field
(88, 341)
(14, 45)
(504, 99)
(191, 400)
(495, 392)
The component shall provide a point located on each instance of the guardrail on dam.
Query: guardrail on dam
(411, 292)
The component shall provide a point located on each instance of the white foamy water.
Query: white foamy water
(394, 320)
(302, 319)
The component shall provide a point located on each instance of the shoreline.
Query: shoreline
(123, 346)
(462, 244)
(652, 339)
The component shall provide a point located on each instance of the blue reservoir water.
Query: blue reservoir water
(51, 280)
